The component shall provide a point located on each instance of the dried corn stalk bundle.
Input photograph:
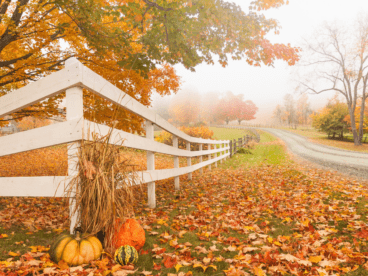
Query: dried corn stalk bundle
(103, 187)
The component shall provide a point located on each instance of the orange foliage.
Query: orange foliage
(357, 116)
(125, 42)
(32, 122)
(185, 107)
(200, 132)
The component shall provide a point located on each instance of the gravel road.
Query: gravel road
(345, 161)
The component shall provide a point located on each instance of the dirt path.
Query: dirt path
(348, 162)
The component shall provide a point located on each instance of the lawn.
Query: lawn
(246, 217)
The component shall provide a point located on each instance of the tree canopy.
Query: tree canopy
(131, 43)
(331, 118)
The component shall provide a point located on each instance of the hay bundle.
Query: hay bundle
(103, 187)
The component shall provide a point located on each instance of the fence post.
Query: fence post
(189, 162)
(235, 146)
(221, 153)
(200, 159)
(240, 142)
(215, 154)
(176, 163)
(231, 148)
(209, 156)
(151, 189)
(74, 110)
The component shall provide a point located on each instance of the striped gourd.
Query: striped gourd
(125, 255)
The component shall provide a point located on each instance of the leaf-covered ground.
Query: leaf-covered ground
(268, 219)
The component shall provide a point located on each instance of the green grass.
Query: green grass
(267, 152)
(20, 240)
(229, 134)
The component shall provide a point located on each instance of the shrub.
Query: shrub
(199, 132)
(199, 124)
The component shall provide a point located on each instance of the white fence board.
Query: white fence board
(41, 137)
(149, 175)
(142, 143)
(38, 186)
(37, 91)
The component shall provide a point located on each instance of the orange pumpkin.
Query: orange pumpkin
(129, 233)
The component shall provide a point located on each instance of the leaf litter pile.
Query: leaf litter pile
(267, 220)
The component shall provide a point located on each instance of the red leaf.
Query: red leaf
(169, 262)
(362, 234)
(156, 266)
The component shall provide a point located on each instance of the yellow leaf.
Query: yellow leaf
(116, 268)
(315, 259)
(213, 266)
(173, 242)
(270, 239)
(258, 271)
(306, 222)
(177, 267)
(277, 243)
(13, 254)
(200, 265)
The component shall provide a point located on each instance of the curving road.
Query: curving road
(349, 162)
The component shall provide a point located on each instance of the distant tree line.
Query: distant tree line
(293, 112)
(188, 107)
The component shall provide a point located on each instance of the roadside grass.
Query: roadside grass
(321, 138)
(228, 134)
(268, 151)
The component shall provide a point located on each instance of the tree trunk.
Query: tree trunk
(361, 119)
(239, 121)
(353, 127)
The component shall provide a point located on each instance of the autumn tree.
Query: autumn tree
(225, 109)
(184, 107)
(303, 109)
(338, 60)
(32, 122)
(244, 110)
(357, 117)
(289, 109)
(209, 102)
(133, 44)
(277, 113)
(331, 119)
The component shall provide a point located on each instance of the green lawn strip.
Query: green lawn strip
(18, 241)
(262, 154)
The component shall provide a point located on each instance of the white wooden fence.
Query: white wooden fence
(72, 79)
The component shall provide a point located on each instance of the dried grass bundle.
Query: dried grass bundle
(103, 187)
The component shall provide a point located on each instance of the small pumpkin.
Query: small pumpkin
(129, 233)
(125, 255)
(75, 250)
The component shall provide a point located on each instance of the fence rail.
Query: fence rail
(72, 79)
(235, 145)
